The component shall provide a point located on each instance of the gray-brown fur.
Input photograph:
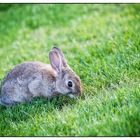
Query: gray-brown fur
(32, 79)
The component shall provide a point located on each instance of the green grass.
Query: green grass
(101, 43)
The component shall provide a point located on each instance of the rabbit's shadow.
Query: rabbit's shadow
(23, 112)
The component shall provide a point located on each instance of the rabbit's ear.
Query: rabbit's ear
(55, 61)
(64, 62)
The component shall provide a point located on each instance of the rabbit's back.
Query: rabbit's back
(25, 70)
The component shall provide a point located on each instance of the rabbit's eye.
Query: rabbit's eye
(70, 83)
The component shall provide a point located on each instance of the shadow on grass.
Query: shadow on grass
(23, 112)
(12, 117)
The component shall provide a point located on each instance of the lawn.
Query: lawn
(102, 45)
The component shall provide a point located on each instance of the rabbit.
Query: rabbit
(32, 79)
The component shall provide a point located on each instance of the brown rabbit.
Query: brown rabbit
(32, 79)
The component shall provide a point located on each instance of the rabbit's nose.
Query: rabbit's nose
(79, 91)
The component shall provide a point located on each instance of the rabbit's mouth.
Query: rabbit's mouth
(71, 95)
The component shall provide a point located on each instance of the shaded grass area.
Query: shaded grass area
(101, 43)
